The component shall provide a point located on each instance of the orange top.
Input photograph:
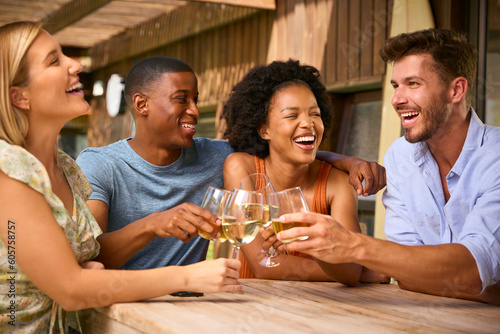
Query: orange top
(319, 205)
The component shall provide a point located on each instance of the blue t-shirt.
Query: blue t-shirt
(133, 188)
(416, 212)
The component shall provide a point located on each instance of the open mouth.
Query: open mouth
(188, 126)
(75, 88)
(408, 116)
(305, 141)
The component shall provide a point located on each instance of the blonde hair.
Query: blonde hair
(15, 39)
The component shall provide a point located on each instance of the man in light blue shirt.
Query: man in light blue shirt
(443, 180)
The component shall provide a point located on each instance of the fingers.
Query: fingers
(381, 177)
(356, 181)
(92, 265)
(230, 275)
(183, 222)
(214, 276)
(296, 232)
(233, 265)
(209, 228)
(374, 176)
(369, 179)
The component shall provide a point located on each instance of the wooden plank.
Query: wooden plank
(263, 4)
(366, 38)
(267, 33)
(70, 13)
(331, 57)
(300, 31)
(274, 306)
(311, 34)
(343, 40)
(253, 56)
(290, 27)
(238, 43)
(321, 28)
(380, 33)
(354, 51)
(280, 32)
(180, 29)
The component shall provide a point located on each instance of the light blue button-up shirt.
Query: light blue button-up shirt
(416, 212)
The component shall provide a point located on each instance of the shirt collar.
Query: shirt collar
(473, 141)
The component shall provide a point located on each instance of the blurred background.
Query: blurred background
(223, 39)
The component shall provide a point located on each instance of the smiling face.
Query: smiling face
(294, 127)
(53, 90)
(172, 109)
(419, 97)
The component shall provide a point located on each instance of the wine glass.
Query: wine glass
(288, 201)
(214, 201)
(242, 217)
(261, 183)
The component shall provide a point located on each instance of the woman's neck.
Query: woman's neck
(43, 147)
(286, 175)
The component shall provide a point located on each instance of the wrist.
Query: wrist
(360, 248)
(345, 164)
(148, 225)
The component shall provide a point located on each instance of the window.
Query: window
(358, 131)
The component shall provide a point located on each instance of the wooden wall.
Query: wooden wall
(339, 37)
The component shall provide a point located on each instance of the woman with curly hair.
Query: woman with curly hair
(276, 118)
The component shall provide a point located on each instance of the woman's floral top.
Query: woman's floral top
(21, 302)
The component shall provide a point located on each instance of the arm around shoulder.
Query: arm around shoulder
(372, 173)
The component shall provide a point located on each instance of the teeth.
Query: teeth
(408, 114)
(75, 87)
(188, 126)
(303, 139)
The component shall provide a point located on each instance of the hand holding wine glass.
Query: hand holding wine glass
(215, 201)
(288, 201)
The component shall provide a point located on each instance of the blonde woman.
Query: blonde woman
(47, 233)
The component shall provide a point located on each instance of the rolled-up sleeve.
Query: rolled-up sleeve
(481, 231)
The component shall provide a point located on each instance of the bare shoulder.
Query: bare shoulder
(240, 160)
(338, 183)
(237, 166)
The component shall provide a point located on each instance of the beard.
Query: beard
(431, 118)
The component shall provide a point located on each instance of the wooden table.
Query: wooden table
(297, 307)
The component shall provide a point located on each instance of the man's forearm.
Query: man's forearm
(339, 161)
(443, 268)
(490, 295)
(119, 246)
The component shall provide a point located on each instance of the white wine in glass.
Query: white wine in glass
(261, 183)
(288, 201)
(214, 201)
(242, 217)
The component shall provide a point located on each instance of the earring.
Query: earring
(28, 107)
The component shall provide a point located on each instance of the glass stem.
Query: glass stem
(234, 255)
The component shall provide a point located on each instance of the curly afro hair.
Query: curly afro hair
(248, 105)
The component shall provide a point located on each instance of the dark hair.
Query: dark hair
(146, 73)
(453, 56)
(248, 105)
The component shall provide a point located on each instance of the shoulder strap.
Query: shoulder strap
(319, 199)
